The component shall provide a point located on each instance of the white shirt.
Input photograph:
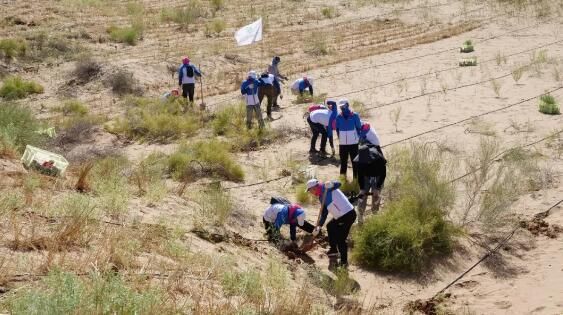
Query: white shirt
(372, 137)
(320, 116)
(272, 212)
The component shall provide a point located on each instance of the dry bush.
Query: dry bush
(122, 82)
(215, 208)
(86, 69)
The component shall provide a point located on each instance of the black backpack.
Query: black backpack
(277, 199)
(369, 154)
(189, 71)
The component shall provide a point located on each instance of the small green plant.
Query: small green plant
(349, 187)
(73, 108)
(302, 196)
(308, 98)
(11, 48)
(500, 58)
(204, 158)
(158, 121)
(64, 293)
(129, 34)
(247, 284)
(548, 105)
(18, 128)
(517, 72)
(16, 88)
(216, 206)
(467, 47)
(414, 228)
(395, 115)
(184, 16)
(468, 62)
(216, 26)
(109, 182)
(496, 86)
(329, 12)
(148, 177)
(217, 5)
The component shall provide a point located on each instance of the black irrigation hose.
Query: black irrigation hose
(493, 251)
(470, 117)
(496, 157)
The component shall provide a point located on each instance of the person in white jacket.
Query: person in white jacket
(343, 215)
(249, 90)
(302, 84)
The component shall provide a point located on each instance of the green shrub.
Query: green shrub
(210, 158)
(329, 12)
(18, 128)
(349, 187)
(217, 4)
(73, 108)
(65, 293)
(413, 228)
(183, 16)
(11, 48)
(159, 121)
(301, 195)
(148, 177)
(15, 88)
(247, 284)
(109, 181)
(129, 34)
(43, 46)
(216, 205)
(548, 105)
(230, 122)
(216, 26)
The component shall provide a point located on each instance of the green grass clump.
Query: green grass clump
(413, 228)
(349, 187)
(246, 284)
(216, 206)
(302, 196)
(467, 47)
(548, 105)
(16, 88)
(129, 34)
(11, 48)
(109, 182)
(18, 128)
(73, 108)
(204, 158)
(329, 12)
(65, 293)
(184, 16)
(158, 121)
(230, 122)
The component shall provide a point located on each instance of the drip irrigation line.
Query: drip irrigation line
(501, 154)
(259, 183)
(505, 240)
(469, 118)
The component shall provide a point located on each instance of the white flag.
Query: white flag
(249, 34)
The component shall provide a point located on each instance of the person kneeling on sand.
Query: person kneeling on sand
(372, 170)
(321, 121)
(249, 89)
(334, 201)
(279, 214)
(302, 84)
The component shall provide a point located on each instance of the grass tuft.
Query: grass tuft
(548, 105)
(11, 48)
(129, 34)
(18, 128)
(16, 88)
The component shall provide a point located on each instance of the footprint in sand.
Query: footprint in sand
(468, 284)
(503, 304)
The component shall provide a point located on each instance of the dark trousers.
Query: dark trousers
(278, 92)
(338, 230)
(188, 91)
(317, 129)
(345, 151)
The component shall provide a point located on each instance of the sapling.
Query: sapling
(496, 86)
(395, 115)
(518, 72)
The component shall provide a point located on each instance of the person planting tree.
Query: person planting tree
(302, 84)
(279, 214)
(187, 74)
(372, 170)
(321, 121)
(334, 201)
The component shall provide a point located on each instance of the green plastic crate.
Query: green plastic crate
(40, 156)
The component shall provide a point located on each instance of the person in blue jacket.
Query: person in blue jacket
(279, 214)
(348, 126)
(249, 89)
(343, 215)
(187, 74)
(302, 84)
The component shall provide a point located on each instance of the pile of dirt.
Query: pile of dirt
(427, 307)
(538, 226)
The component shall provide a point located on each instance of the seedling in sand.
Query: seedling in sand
(468, 62)
(395, 115)
(548, 105)
(467, 47)
(496, 86)
(518, 72)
